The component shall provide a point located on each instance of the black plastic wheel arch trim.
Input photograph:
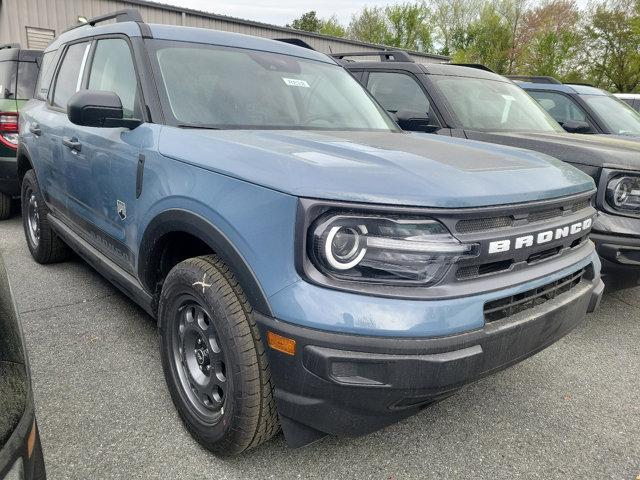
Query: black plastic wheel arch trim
(184, 221)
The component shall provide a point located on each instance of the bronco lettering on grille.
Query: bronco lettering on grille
(526, 241)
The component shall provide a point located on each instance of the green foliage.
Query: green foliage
(331, 26)
(308, 22)
(406, 25)
(613, 58)
(488, 41)
(599, 44)
(370, 25)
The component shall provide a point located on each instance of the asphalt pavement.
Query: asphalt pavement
(572, 411)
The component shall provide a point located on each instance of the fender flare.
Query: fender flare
(178, 220)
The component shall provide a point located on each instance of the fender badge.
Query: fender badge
(121, 208)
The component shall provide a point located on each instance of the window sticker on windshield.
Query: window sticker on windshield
(294, 82)
(509, 98)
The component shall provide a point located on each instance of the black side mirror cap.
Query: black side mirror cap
(574, 126)
(414, 121)
(97, 108)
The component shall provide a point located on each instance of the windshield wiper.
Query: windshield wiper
(201, 127)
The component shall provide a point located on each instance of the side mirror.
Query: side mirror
(414, 121)
(574, 126)
(97, 108)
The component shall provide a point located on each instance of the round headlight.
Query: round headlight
(621, 193)
(345, 246)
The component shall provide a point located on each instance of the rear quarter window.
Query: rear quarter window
(27, 77)
(8, 76)
(49, 61)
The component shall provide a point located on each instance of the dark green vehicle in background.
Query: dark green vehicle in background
(18, 74)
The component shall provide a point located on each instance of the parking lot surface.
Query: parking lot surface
(572, 411)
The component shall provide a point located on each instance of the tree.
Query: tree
(614, 45)
(451, 23)
(409, 26)
(331, 26)
(512, 12)
(369, 26)
(489, 41)
(404, 25)
(551, 40)
(309, 22)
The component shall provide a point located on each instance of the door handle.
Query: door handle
(72, 143)
(35, 129)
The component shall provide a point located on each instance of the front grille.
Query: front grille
(508, 306)
(472, 225)
(482, 224)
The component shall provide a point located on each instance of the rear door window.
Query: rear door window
(69, 79)
(8, 75)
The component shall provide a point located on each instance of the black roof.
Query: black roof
(12, 51)
(428, 68)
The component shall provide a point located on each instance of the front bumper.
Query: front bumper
(617, 241)
(343, 384)
(9, 176)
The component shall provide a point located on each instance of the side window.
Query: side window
(69, 79)
(397, 91)
(560, 107)
(112, 70)
(27, 75)
(636, 104)
(49, 61)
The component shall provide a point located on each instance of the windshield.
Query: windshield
(618, 117)
(223, 87)
(490, 105)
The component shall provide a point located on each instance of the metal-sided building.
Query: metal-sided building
(34, 23)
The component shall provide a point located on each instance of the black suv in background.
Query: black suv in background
(20, 449)
(477, 104)
(18, 75)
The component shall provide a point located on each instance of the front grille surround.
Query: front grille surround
(508, 306)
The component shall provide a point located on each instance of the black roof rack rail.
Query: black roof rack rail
(535, 79)
(9, 45)
(124, 15)
(477, 66)
(295, 41)
(582, 84)
(385, 55)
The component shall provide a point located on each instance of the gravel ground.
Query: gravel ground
(572, 411)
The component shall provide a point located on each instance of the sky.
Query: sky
(279, 12)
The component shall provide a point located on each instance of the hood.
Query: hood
(593, 150)
(377, 167)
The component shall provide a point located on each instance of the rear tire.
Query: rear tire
(214, 362)
(5, 206)
(45, 246)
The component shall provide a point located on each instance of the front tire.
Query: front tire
(213, 358)
(45, 246)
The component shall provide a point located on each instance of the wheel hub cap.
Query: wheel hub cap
(33, 220)
(200, 361)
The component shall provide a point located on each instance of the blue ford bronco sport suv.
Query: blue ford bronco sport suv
(311, 266)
